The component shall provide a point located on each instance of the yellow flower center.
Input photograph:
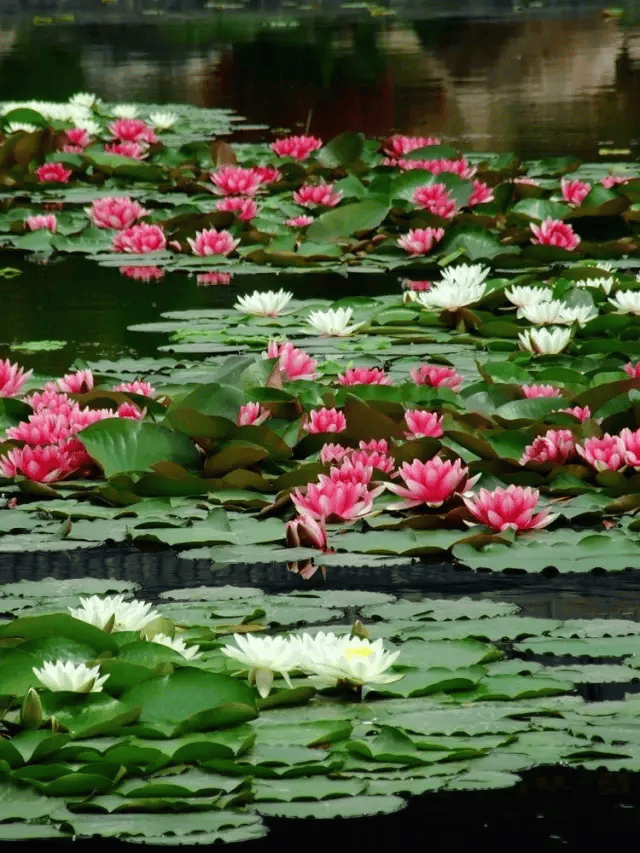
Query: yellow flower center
(362, 652)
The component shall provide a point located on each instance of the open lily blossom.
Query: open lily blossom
(145, 389)
(545, 341)
(245, 208)
(294, 363)
(118, 212)
(364, 376)
(632, 370)
(333, 453)
(325, 420)
(523, 297)
(430, 483)
(581, 413)
(436, 199)
(46, 464)
(574, 192)
(481, 194)
(423, 424)
(127, 615)
(78, 382)
(140, 239)
(545, 313)
(397, 145)
(178, 645)
(605, 284)
(513, 508)
(317, 195)
(607, 453)
(42, 222)
(351, 472)
(465, 275)
(554, 232)
(352, 661)
(263, 657)
(12, 378)
(296, 147)
(234, 180)
(252, 414)
(68, 676)
(374, 457)
(626, 302)
(437, 376)
(53, 173)
(631, 440)
(533, 391)
(269, 303)
(445, 296)
(580, 314)
(334, 500)
(420, 241)
(333, 322)
(556, 445)
(209, 241)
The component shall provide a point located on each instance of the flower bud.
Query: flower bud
(31, 710)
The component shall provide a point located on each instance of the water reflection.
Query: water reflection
(535, 85)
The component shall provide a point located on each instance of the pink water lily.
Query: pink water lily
(252, 414)
(296, 147)
(305, 531)
(41, 464)
(325, 420)
(333, 453)
(244, 208)
(574, 192)
(512, 508)
(437, 376)
(42, 221)
(631, 441)
(397, 145)
(78, 382)
(556, 445)
(423, 424)
(531, 392)
(481, 194)
(582, 413)
(130, 411)
(76, 140)
(363, 376)
(430, 483)
(351, 472)
(145, 389)
(299, 221)
(314, 195)
(209, 241)
(115, 212)
(374, 458)
(633, 370)
(294, 363)
(53, 173)
(132, 150)
(234, 180)
(604, 454)
(333, 500)
(554, 232)
(437, 199)
(41, 428)
(140, 239)
(268, 174)
(132, 130)
(419, 241)
(12, 378)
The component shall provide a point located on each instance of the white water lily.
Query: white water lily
(334, 321)
(89, 125)
(74, 677)
(359, 662)
(264, 656)
(545, 341)
(84, 99)
(465, 275)
(444, 296)
(522, 296)
(543, 313)
(580, 314)
(125, 111)
(163, 121)
(129, 615)
(604, 284)
(270, 303)
(626, 302)
(178, 645)
(17, 126)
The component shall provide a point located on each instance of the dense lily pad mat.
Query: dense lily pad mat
(185, 749)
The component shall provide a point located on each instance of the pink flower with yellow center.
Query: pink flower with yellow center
(533, 391)
(512, 508)
(574, 192)
(252, 414)
(481, 194)
(423, 424)
(213, 278)
(437, 376)
(132, 150)
(556, 445)
(115, 212)
(211, 242)
(53, 173)
(132, 130)
(12, 378)
(305, 531)
(41, 221)
(140, 239)
(363, 376)
(41, 464)
(296, 147)
(604, 454)
(397, 145)
(430, 483)
(245, 208)
(333, 500)
(436, 199)
(419, 241)
(146, 274)
(315, 195)
(554, 232)
(325, 420)
(293, 363)
(234, 180)
(145, 389)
